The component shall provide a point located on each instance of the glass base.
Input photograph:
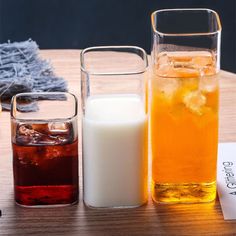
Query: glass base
(46, 206)
(46, 196)
(183, 193)
(114, 207)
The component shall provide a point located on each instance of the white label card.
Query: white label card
(226, 179)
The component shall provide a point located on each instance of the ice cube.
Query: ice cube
(168, 86)
(58, 127)
(28, 136)
(208, 84)
(60, 131)
(25, 129)
(176, 69)
(163, 59)
(201, 61)
(53, 134)
(194, 101)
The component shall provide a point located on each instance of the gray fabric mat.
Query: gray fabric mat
(22, 70)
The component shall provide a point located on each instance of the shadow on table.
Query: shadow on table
(191, 219)
(128, 221)
(17, 220)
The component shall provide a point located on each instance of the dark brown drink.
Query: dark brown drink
(45, 164)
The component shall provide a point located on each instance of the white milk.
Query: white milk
(115, 151)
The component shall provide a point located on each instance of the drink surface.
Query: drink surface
(45, 164)
(184, 126)
(115, 151)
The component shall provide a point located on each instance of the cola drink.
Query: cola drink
(45, 163)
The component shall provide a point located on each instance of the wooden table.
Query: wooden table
(189, 219)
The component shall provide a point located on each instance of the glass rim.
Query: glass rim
(84, 51)
(43, 93)
(186, 34)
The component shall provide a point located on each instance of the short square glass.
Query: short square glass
(45, 149)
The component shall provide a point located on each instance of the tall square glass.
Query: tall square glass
(114, 126)
(45, 149)
(184, 104)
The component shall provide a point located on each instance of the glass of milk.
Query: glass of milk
(114, 126)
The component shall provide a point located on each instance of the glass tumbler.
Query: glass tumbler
(114, 128)
(45, 149)
(184, 104)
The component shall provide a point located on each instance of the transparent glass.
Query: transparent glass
(45, 149)
(114, 126)
(184, 104)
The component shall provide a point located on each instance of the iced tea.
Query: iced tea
(184, 127)
(45, 163)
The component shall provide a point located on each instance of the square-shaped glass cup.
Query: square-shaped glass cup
(184, 97)
(45, 149)
(114, 126)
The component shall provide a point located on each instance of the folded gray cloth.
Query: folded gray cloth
(22, 70)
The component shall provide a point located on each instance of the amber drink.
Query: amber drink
(184, 125)
(45, 159)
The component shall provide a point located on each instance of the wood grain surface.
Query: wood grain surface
(182, 219)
